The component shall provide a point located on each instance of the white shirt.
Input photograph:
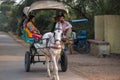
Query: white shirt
(66, 25)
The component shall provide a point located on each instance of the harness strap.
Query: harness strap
(54, 47)
(45, 53)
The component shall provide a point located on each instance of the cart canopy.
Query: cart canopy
(80, 20)
(48, 5)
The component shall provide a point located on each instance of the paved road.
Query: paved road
(12, 63)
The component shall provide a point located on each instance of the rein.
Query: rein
(55, 40)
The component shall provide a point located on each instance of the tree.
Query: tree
(6, 11)
(104, 7)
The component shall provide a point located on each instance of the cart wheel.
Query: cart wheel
(87, 47)
(64, 61)
(27, 61)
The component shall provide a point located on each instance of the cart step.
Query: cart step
(40, 55)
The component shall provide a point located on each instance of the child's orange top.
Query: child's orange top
(29, 28)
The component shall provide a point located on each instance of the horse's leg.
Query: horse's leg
(48, 67)
(55, 67)
(51, 69)
(51, 64)
(57, 59)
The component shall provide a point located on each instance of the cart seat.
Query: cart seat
(81, 37)
(25, 37)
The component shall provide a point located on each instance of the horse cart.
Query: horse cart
(81, 45)
(40, 48)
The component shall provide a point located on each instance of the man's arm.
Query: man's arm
(67, 25)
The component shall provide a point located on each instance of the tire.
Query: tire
(27, 61)
(64, 61)
(87, 47)
(83, 47)
(78, 48)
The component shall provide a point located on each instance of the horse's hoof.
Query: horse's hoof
(48, 75)
(43, 63)
(51, 78)
(54, 78)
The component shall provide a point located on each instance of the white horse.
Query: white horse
(52, 49)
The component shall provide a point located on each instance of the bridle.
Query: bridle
(55, 40)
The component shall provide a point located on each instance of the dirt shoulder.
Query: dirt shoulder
(95, 68)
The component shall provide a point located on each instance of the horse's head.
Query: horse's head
(58, 36)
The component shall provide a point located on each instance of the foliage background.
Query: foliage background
(11, 14)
